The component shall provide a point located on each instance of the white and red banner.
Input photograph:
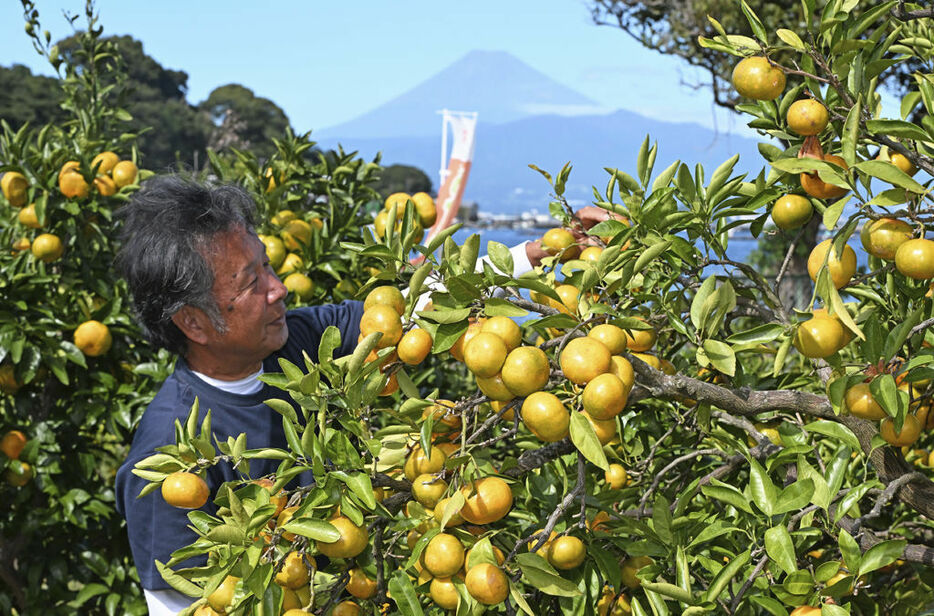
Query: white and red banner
(455, 170)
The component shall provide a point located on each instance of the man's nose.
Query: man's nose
(277, 290)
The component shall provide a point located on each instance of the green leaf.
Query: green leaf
(360, 485)
(319, 530)
(795, 496)
(885, 392)
(888, 172)
(499, 307)
(761, 487)
(722, 581)
(469, 252)
(728, 494)
(849, 549)
(669, 590)
(835, 430)
(537, 572)
(721, 356)
(700, 298)
(790, 38)
(586, 441)
(755, 336)
(897, 128)
(757, 28)
(650, 253)
(403, 593)
(501, 257)
(330, 341)
(850, 135)
(880, 555)
(178, 582)
(780, 549)
(445, 316)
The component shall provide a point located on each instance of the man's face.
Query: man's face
(250, 298)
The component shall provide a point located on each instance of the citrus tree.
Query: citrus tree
(641, 425)
(75, 374)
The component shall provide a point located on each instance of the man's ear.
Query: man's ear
(194, 323)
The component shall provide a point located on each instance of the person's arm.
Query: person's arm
(166, 602)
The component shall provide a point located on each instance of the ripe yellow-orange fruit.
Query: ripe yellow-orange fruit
(107, 162)
(487, 584)
(860, 403)
(616, 476)
(21, 244)
(791, 212)
(566, 552)
(819, 337)
(494, 388)
(292, 263)
(294, 572)
(105, 186)
(414, 346)
(560, 241)
(352, 541)
(12, 444)
(640, 340)
(621, 367)
(443, 593)
(8, 383)
(444, 417)
(816, 187)
(418, 463)
(93, 338)
(124, 173)
(438, 513)
(428, 490)
(881, 238)
(283, 216)
(545, 416)
(185, 490)
(275, 250)
(223, 595)
(497, 554)
(841, 267)
(807, 117)
(457, 349)
(569, 302)
(582, 359)
(605, 429)
(630, 567)
(612, 337)
(15, 188)
(18, 473)
(901, 161)
(444, 555)
(47, 247)
(284, 516)
(279, 500)
(755, 77)
(484, 354)
(360, 585)
(398, 199)
(505, 328)
(488, 500)
(604, 396)
(591, 254)
(907, 436)
(344, 608)
(384, 319)
(386, 295)
(426, 209)
(28, 217)
(300, 284)
(612, 605)
(806, 610)
(71, 183)
(206, 610)
(915, 259)
(525, 370)
(296, 234)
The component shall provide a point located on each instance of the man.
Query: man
(203, 289)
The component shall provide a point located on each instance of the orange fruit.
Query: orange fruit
(881, 238)
(301, 285)
(640, 340)
(344, 608)
(901, 161)
(621, 367)
(12, 444)
(48, 247)
(755, 77)
(223, 595)
(591, 254)
(425, 207)
(545, 416)
(398, 199)
(283, 216)
(651, 360)
(505, 328)
(616, 476)
(604, 396)
(384, 319)
(605, 429)
(279, 500)
(21, 244)
(418, 463)
(495, 388)
(909, 433)
(105, 186)
(816, 187)
(497, 553)
(526, 370)
(438, 513)
(385, 295)
(560, 241)
(428, 490)
(352, 541)
(791, 212)
(28, 217)
(860, 403)
(444, 417)
(360, 585)
(284, 516)
(444, 593)
(569, 302)
(582, 359)
(8, 383)
(15, 188)
(611, 605)
(294, 572)
(185, 490)
(296, 234)
(630, 567)
(841, 267)
(93, 338)
(275, 250)
(444, 555)
(806, 610)
(484, 354)
(915, 259)
(206, 610)
(414, 346)
(566, 552)
(807, 117)
(107, 162)
(457, 349)
(290, 264)
(612, 337)
(18, 473)
(71, 182)
(488, 500)
(819, 337)
(487, 584)
(124, 173)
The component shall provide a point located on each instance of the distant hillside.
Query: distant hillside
(501, 181)
(496, 84)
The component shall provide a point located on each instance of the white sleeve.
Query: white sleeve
(166, 602)
(521, 265)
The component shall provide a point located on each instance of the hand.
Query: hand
(535, 252)
(591, 215)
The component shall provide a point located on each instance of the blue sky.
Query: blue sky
(327, 62)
